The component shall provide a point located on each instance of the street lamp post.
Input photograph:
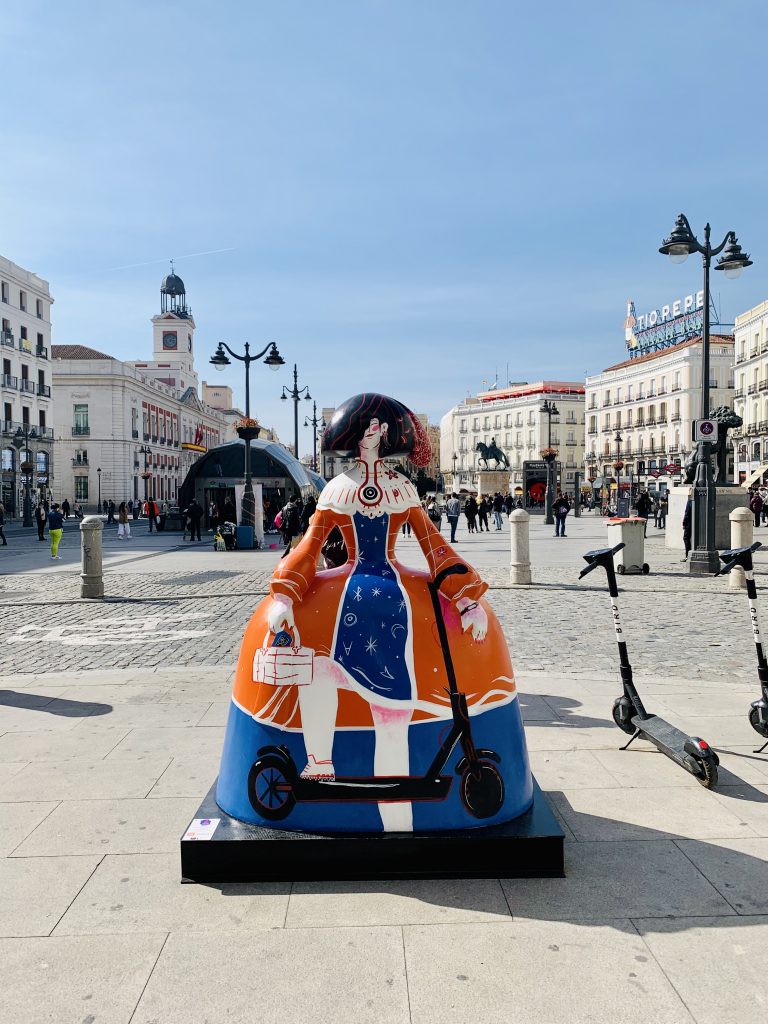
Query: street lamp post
(22, 438)
(314, 422)
(453, 482)
(295, 393)
(98, 477)
(550, 409)
(145, 451)
(679, 246)
(274, 361)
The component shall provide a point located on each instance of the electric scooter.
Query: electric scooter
(690, 752)
(275, 784)
(742, 557)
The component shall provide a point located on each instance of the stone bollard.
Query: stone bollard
(90, 541)
(742, 527)
(520, 551)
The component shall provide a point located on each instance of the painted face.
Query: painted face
(372, 437)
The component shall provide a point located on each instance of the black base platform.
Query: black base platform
(529, 847)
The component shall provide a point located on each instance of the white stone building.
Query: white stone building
(651, 400)
(27, 402)
(513, 417)
(141, 424)
(751, 394)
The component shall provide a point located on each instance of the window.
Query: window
(40, 382)
(4, 291)
(8, 454)
(81, 488)
(7, 412)
(23, 332)
(39, 308)
(41, 463)
(25, 415)
(23, 301)
(618, 395)
(629, 392)
(81, 420)
(40, 342)
(41, 420)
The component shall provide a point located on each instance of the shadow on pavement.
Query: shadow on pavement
(52, 705)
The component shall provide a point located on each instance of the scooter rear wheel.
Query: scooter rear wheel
(708, 776)
(482, 790)
(754, 720)
(622, 715)
(269, 790)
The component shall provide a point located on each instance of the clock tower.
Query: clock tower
(174, 328)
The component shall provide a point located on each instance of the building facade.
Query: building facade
(751, 394)
(133, 429)
(514, 419)
(26, 385)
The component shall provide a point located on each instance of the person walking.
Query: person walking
(2, 524)
(434, 513)
(470, 511)
(195, 514)
(483, 509)
(290, 524)
(644, 509)
(756, 506)
(151, 510)
(663, 509)
(213, 516)
(41, 518)
(105, 506)
(763, 492)
(656, 510)
(55, 529)
(560, 507)
(498, 508)
(687, 524)
(123, 526)
(452, 512)
(65, 508)
(136, 510)
(110, 512)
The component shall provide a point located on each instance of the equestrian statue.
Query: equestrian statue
(492, 451)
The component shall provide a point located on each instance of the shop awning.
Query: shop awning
(757, 475)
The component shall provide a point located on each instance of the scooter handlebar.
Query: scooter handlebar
(601, 556)
(737, 557)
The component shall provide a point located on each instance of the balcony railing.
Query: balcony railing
(42, 352)
(762, 427)
(674, 449)
(44, 390)
(677, 387)
(80, 462)
(6, 337)
(662, 419)
(10, 381)
(763, 385)
(80, 430)
(27, 385)
(753, 351)
(675, 417)
(134, 433)
(607, 430)
(740, 393)
(146, 436)
(592, 430)
(752, 389)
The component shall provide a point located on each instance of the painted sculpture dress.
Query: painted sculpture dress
(362, 702)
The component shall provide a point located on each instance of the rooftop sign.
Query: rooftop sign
(665, 327)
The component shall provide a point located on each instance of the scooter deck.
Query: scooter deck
(386, 788)
(665, 736)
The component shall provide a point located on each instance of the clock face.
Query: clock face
(170, 341)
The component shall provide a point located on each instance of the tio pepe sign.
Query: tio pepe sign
(665, 327)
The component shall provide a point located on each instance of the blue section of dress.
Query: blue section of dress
(372, 636)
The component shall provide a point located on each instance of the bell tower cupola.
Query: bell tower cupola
(174, 329)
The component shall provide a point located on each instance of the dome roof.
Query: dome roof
(172, 285)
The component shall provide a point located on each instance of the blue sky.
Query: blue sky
(413, 194)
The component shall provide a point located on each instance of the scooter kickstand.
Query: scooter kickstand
(761, 748)
(632, 739)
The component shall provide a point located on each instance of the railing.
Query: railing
(44, 390)
(592, 430)
(651, 421)
(753, 351)
(662, 391)
(606, 402)
(662, 419)
(763, 385)
(27, 385)
(146, 436)
(762, 427)
(607, 430)
(42, 352)
(81, 431)
(162, 440)
(134, 433)
(154, 438)
(10, 381)
(677, 387)
(570, 444)
(740, 393)
(674, 449)
(675, 417)
(6, 337)
(80, 462)
(752, 389)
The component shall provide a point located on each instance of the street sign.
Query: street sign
(655, 473)
(673, 468)
(705, 430)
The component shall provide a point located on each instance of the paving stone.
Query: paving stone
(566, 736)
(570, 769)
(322, 975)
(216, 714)
(188, 776)
(749, 803)
(87, 743)
(717, 965)
(116, 693)
(424, 901)
(75, 979)
(617, 880)
(175, 742)
(173, 714)
(37, 891)
(143, 893)
(738, 869)
(643, 767)
(110, 826)
(84, 780)
(17, 821)
(688, 812)
(556, 973)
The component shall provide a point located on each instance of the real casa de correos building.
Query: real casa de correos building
(27, 425)
(640, 411)
(132, 429)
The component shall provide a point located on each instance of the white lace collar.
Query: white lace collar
(370, 493)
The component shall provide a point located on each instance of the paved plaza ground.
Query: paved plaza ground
(111, 725)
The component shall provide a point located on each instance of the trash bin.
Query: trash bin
(244, 535)
(630, 532)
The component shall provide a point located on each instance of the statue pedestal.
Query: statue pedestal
(530, 846)
(727, 499)
(491, 480)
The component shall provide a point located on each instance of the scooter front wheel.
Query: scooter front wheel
(760, 726)
(482, 789)
(269, 790)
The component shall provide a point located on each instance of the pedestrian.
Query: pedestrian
(663, 509)
(452, 512)
(763, 491)
(164, 506)
(310, 506)
(290, 524)
(509, 504)
(55, 529)
(498, 508)
(656, 510)
(483, 508)
(756, 506)
(65, 508)
(136, 510)
(2, 524)
(230, 512)
(150, 510)
(561, 507)
(687, 524)
(110, 512)
(41, 518)
(105, 506)
(195, 513)
(124, 528)
(470, 511)
(213, 516)
(434, 513)
(644, 509)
